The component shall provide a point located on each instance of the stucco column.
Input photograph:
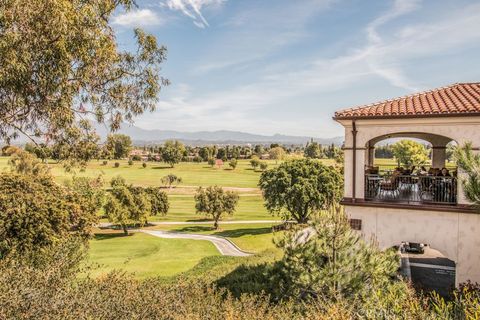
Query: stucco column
(360, 174)
(439, 156)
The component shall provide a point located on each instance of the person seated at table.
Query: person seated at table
(443, 173)
(422, 171)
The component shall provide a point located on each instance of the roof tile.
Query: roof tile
(457, 99)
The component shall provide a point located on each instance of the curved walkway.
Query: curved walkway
(225, 246)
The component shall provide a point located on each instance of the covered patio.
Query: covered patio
(416, 184)
(438, 117)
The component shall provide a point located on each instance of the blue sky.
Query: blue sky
(285, 66)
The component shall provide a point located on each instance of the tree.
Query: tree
(158, 201)
(172, 152)
(26, 163)
(233, 163)
(254, 162)
(469, 162)
(126, 204)
(215, 201)
(332, 261)
(205, 153)
(118, 145)
(54, 72)
(36, 213)
(263, 165)
(211, 162)
(170, 180)
(277, 153)
(299, 188)
(258, 149)
(409, 152)
(313, 150)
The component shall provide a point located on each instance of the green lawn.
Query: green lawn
(146, 255)
(192, 174)
(249, 237)
(391, 164)
(182, 208)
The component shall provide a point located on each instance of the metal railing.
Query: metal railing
(411, 189)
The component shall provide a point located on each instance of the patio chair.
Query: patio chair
(390, 187)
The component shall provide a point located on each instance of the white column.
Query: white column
(360, 174)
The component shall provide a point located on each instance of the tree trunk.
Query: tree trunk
(215, 224)
(125, 230)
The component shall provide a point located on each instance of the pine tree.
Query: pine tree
(469, 162)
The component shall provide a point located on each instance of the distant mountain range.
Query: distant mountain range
(144, 136)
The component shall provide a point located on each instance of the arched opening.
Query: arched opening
(411, 167)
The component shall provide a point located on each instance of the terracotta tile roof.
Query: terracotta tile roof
(457, 99)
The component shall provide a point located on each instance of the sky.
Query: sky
(285, 66)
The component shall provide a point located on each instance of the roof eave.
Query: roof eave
(409, 116)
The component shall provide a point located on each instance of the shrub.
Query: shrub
(233, 163)
(104, 162)
(144, 164)
(136, 158)
(130, 162)
(117, 164)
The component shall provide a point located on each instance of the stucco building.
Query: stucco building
(423, 209)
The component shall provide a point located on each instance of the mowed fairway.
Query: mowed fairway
(145, 255)
(249, 237)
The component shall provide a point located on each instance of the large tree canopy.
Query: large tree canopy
(409, 152)
(298, 188)
(59, 63)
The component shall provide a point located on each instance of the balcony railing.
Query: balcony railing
(411, 189)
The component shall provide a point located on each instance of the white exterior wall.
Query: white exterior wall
(456, 235)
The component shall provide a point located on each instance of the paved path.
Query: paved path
(225, 246)
(164, 223)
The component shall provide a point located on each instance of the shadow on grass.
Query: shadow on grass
(200, 220)
(236, 233)
(162, 167)
(106, 236)
(194, 229)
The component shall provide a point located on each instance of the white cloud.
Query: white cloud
(256, 31)
(141, 17)
(384, 54)
(193, 9)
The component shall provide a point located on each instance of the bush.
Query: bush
(136, 158)
(197, 159)
(117, 164)
(104, 162)
(61, 293)
(144, 164)
(130, 162)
